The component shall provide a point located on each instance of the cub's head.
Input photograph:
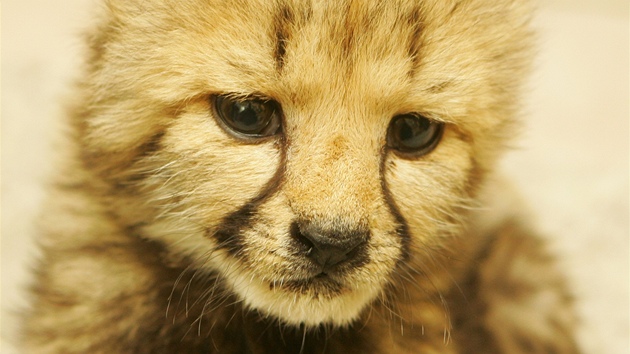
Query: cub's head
(306, 151)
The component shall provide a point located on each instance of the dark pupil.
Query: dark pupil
(249, 116)
(406, 132)
(413, 132)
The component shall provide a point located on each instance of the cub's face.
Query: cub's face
(311, 153)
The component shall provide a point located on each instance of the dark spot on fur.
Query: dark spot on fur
(152, 145)
(348, 37)
(414, 44)
(282, 23)
(467, 307)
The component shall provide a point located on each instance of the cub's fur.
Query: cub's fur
(174, 229)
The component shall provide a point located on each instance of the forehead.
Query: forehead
(326, 49)
(447, 59)
(346, 49)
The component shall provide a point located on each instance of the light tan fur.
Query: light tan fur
(166, 234)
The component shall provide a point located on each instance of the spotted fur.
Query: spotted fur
(164, 233)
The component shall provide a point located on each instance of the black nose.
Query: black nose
(328, 248)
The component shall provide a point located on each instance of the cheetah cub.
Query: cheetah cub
(295, 176)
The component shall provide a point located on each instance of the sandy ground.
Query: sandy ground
(571, 164)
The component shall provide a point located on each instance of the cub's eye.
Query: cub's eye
(413, 134)
(248, 118)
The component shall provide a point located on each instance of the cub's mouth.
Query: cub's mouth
(318, 275)
(321, 284)
(324, 259)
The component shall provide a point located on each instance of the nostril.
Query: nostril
(304, 241)
(327, 248)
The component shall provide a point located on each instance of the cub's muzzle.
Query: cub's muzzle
(328, 248)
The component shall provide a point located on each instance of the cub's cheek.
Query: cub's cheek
(200, 176)
(233, 171)
(428, 191)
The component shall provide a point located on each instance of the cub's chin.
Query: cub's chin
(321, 299)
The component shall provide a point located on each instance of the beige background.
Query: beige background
(571, 164)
